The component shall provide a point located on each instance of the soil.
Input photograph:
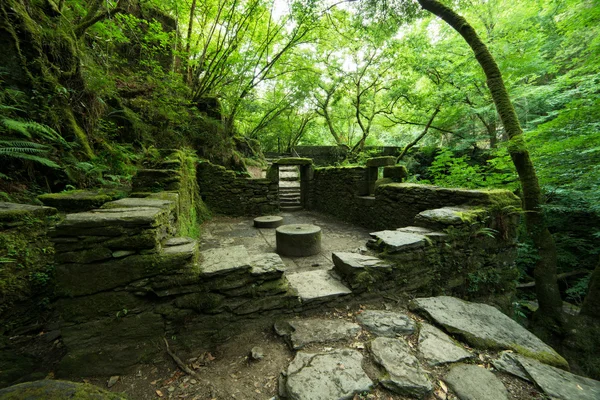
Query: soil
(229, 372)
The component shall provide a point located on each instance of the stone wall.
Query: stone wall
(126, 277)
(466, 238)
(227, 193)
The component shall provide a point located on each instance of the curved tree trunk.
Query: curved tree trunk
(547, 291)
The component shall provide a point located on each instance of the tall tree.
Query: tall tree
(547, 291)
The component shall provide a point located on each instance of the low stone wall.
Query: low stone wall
(475, 259)
(226, 193)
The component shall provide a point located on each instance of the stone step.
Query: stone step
(290, 202)
(317, 286)
(291, 208)
(290, 195)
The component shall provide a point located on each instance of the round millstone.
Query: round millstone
(298, 240)
(268, 221)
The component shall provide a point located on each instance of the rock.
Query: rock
(326, 376)
(398, 241)
(80, 200)
(444, 217)
(485, 327)
(306, 331)
(223, 260)
(471, 382)
(509, 364)
(559, 384)
(348, 265)
(298, 240)
(112, 381)
(267, 266)
(184, 250)
(257, 353)
(268, 221)
(52, 389)
(122, 217)
(122, 253)
(317, 285)
(386, 323)
(97, 253)
(131, 202)
(438, 348)
(396, 172)
(381, 161)
(404, 374)
(177, 241)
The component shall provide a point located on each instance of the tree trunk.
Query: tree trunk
(591, 304)
(547, 291)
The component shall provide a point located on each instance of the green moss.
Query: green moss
(57, 390)
(80, 200)
(542, 356)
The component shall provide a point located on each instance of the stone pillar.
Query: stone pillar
(373, 165)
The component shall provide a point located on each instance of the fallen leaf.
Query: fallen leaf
(154, 382)
(443, 386)
(210, 357)
(579, 387)
(481, 357)
(159, 393)
(440, 394)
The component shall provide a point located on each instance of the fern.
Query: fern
(38, 159)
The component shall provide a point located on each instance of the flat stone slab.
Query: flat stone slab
(438, 348)
(381, 161)
(177, 241)
(397, 241)
(404, 374)
(267, 265)
(10, 212)
(186, 249)
(268, 221)
(483, 326)
(440, 218)
(334, 375)
(317, 285)
(223, 260)
(471, 382)
(123, 217)
(428, 233)
(386, 323)
(302, 332)
(507, 362)
(350, 264)
(556, 383)
(132, 202)
(80, 200)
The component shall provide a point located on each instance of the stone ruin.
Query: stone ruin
(127, 275)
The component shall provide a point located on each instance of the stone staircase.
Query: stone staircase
(289, 188)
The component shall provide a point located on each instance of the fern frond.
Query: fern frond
(30, 157)
(16, 126)
(23, 150)
(22, 143)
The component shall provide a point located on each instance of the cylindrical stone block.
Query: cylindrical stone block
(298, 240)
(268, 221)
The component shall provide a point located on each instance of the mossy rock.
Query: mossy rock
(14, 213)
(80, 200)
(396, 172)
(293, 161)
(381, 161)
(57, 390)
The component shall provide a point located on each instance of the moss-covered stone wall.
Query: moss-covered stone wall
(225, 192)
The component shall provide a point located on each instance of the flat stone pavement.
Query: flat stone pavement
(335, 236)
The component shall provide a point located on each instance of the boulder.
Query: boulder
(485, 327)
(335, 375)
(404, 374)
(471, 382)
(386, 323)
